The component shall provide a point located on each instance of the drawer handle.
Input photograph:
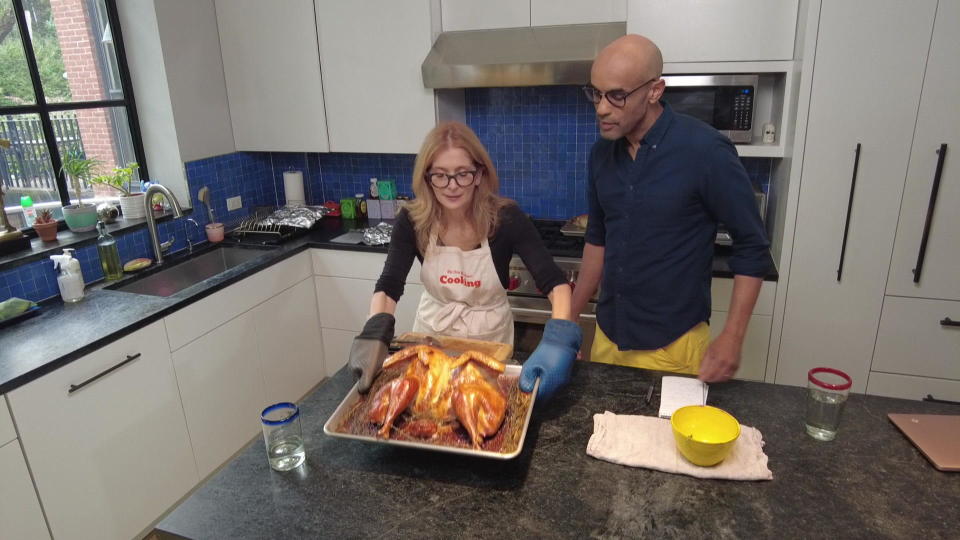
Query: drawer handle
(932, 399)
(930, 206)
(846, 225)
(75, 387)
(946, 321)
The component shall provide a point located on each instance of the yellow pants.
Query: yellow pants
(681, 356)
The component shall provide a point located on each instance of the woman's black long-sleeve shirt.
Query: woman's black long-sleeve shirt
(515, 234)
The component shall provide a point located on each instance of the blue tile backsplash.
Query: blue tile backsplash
(538, 137)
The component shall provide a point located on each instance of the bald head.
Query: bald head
(631, 55)
(627, 73)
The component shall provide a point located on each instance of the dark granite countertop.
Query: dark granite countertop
(870, 482)
(27, 352)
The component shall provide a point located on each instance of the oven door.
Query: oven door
(530, 314)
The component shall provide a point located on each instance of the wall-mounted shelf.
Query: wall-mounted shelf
(760, 150)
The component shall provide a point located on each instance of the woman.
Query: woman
(464, 234)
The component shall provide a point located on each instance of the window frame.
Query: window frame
(43, 109)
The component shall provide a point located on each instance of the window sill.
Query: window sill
(69, 239)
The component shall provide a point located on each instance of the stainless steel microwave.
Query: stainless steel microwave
(726, 102)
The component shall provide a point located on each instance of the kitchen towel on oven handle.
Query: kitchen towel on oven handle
(647, 441)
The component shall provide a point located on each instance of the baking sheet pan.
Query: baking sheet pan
(570, 229)
(330, 427)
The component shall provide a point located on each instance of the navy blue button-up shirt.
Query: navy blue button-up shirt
(656, 217)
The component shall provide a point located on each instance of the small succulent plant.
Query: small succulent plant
(45, 215)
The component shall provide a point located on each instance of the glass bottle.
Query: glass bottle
(109, 254)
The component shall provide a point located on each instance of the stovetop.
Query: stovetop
(558, 244)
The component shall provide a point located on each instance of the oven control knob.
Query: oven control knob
(513, 283)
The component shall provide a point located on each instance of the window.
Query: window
(64, 90)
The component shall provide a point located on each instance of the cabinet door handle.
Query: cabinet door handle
(932, 399)
(942, 151)
(75, 387)
(946, 321)
(846, 225)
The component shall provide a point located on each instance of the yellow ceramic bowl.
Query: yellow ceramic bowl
(705, 435)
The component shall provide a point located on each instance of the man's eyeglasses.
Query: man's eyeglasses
(441, 180)
(617, 98)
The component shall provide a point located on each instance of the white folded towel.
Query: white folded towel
(647, 441)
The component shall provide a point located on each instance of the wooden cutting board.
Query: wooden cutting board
(455, 345)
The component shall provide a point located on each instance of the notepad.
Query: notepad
(676, 392)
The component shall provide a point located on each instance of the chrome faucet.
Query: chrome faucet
(159, 248)
(187, 233)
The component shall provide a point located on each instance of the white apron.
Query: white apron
(463, 296)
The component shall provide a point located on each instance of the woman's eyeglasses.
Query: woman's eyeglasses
(441, 180)
(617, 98)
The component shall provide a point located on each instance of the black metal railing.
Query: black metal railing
(25, 167)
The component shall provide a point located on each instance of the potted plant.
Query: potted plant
(46, 225)
(121, 179)
(80, 217)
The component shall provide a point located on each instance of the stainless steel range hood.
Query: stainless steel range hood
(529, 56)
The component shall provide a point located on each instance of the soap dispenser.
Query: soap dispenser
(70, 279)
(109, 254)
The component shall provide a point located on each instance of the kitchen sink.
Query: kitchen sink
(169, 280)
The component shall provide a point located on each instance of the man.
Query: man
(659, 182)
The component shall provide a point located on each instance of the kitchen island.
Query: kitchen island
(868, 483)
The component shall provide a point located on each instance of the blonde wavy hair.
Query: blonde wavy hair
(425, 211)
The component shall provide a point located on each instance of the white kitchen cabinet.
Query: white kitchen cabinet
(222, 390)
(472, 15)
(20, 515)
(197, 319)
(753, 352)
(721, 292)
(108, 458)
(336, 348)
(355, 264)
(272, 74)
(556, 12)
(344, 284)
(718, 31)
(913, 339)
(290, 348)
(831, 319)
(344, 302)
(7, 431)
(371, 53)
(938, 123)
(910, 387)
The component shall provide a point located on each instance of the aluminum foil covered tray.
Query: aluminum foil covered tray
(303, 217)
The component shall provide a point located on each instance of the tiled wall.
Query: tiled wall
(38, 280)
(246, 174)
(538, 137)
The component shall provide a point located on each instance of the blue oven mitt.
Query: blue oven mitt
(553, 358)
(370, 348)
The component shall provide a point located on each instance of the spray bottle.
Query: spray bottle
(70, 279)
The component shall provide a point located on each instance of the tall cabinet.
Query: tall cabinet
(865, 93)
(918, 342)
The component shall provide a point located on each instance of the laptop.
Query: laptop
(936, 435)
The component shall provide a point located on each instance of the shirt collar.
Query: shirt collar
(659, 128)
(656, 132)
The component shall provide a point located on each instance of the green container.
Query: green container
(80, 219)
(387, 190)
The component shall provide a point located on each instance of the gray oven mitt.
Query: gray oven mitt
(370, 348)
